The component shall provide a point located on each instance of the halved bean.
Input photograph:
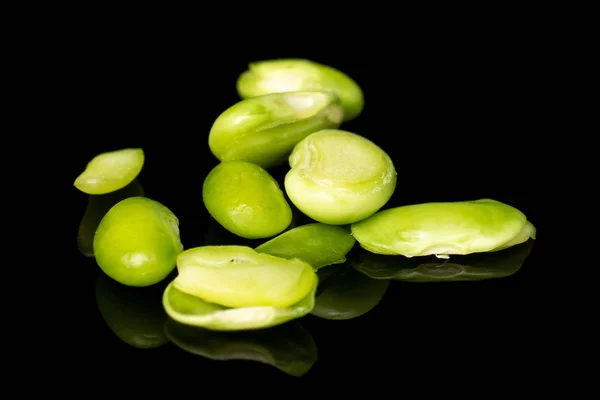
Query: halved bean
(338, 177)
(110, 171)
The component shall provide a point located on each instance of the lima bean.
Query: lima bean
(246, 200)
(292, 75)
(110, 171)
(263, 130)
(137, 242)
(238, 276)
(442, 228)
(338, 177)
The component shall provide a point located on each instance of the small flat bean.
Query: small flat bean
(339, 177)
(238, 276)
(137, 242)
(263, 130)
(110, 171)
(291, 75)
(317, 244)
(194, 311)
(442, 228)
(246, 200)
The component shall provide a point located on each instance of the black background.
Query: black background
(460, 122)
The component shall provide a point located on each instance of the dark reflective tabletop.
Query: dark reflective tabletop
(451, 136)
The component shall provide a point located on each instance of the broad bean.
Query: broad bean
(246, 200)
(137, 242)
(110, 171)
(263, 130)
(443, 228)
(291, 75)
(338, 177)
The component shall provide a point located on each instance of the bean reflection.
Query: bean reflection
(289, 347)
(472, 267)
(97, 207)
(135, 315)
(345, 293)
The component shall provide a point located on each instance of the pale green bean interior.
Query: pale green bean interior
(338, 177)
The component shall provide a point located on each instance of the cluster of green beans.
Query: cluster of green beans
(290, 112)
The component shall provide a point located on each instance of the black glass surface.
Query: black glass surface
(457, 125)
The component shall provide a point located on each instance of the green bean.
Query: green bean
(346, 294)
(443, 228)
(97, 207)
(317, 244)
(289, 347)
(135, 315)
(471, 267)
(110, 171)
(137, 242)
(263, 130)
(246, 200)
(291, 75)
(339, 177)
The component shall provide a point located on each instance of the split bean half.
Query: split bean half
(317, 244)
(110, 171)
(263, 130)
(291, 75)
(443, 228)
(237, 288)
(246, 200)
(137, 242)
(338, 177)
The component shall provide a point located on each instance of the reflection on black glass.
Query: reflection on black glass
(97, 207)
(135, 315)
(344, 293)
(472, 267)
(289, 347)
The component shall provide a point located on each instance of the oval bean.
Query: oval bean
(110, 171)
(441, 228)
(338, 177)
(246, 200)
(263, 130)
(137, 242)
(291, 75)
